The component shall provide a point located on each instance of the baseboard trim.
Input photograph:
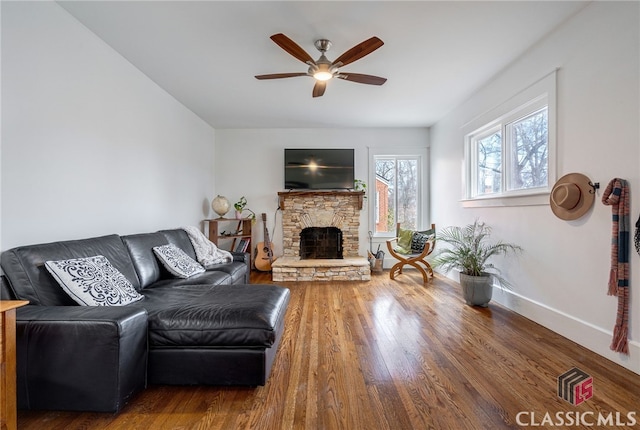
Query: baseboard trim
(581, 332)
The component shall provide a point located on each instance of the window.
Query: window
(397, 192)
(488, 166)
(517, 162)
(510, 151)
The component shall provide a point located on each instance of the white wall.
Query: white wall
(0, 130)
(251, 163)
(561, 279)
(90, 145)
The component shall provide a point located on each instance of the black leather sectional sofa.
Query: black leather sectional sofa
(213, 328)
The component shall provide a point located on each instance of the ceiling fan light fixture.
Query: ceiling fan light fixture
(322, 75)
(322, 70)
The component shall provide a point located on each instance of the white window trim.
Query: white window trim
(531, 98)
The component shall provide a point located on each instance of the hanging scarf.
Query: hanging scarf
(636, 238)
(616, 195)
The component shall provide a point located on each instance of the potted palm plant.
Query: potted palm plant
(469, 251)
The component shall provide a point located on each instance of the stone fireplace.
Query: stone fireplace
(328, 223)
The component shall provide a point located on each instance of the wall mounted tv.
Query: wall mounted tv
(318, 169)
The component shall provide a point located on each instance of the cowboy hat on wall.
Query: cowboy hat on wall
(572, 196)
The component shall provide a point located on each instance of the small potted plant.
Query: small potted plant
(360, 185)
(469, 252)
(240, 208)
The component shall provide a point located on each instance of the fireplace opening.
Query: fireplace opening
(320, 242)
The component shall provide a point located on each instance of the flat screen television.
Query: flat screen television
(318, 169)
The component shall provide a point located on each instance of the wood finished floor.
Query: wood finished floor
(384, 355)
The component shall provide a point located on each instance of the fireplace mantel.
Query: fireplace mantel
(282, 195)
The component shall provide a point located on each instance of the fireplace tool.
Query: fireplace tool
(375, 260)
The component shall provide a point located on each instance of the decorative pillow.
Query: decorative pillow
(404, 241)
(419, 240)
(93, 281)
(177, 262)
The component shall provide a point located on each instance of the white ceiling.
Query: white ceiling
(205, 54)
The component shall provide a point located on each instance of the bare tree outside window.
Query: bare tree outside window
(385, 186)
(489, 155)
(512, 156)
(408, 193)
(397, 191)
(529, 151)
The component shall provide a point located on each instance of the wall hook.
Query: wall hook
(594, 186)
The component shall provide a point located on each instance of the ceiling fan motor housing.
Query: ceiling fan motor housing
(322, 45)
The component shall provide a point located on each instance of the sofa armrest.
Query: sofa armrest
(81, 358)
(243, 257)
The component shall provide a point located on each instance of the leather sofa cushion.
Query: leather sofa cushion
(214, 316)
(237, 269)
(140, 247)
(29, 280)
(5, 291)
(180, 238)
(207, 278)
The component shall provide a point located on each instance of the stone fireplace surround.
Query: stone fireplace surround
(301, 209)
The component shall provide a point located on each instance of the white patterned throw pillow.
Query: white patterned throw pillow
(93, 281)
(177, 262)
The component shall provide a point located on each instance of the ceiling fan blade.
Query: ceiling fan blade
(362, 79)
(318, 88)
(359, 51)
(291, 47)
(280, 75)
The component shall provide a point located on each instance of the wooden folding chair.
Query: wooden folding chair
(413, 258)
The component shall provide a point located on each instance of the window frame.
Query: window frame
(473, 140)
(524, 104)
(421, 155)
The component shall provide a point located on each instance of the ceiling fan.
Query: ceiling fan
(322, 69)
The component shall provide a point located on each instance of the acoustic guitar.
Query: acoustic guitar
(264, 253)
